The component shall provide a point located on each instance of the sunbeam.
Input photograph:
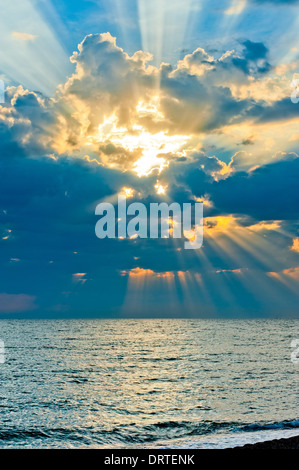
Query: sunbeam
(31, 52)
(163, 26)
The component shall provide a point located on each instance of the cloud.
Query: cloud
(26, 121)
(268, 192)
(79, 277)
(261, 226)
(147, 273)
(119, 111)
(117, 116)
(24, 36)
(49, 206)
(292, 272)
(295, 245)
(16, 303)
(236, 7)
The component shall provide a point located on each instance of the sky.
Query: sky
(163, 101)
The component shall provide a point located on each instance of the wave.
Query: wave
(169, 434)
(229, 437)
(206, 426)
(271, 426)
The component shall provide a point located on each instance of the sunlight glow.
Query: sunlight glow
(153, 146)
(128, 192)
(160, 189)
(236, 7)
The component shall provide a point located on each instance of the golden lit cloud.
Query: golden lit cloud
(122, 119)
(161, 188)
(292, 272)
(79, 278)
(274, 275)
(286, 275)
(295, 246)
(149, 273)
(127, 192)
(237, 6)
(24, 36)
(265, 226)
(152, 147)
(220, 223)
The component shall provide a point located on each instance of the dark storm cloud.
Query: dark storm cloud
(254, 50)
(267, 193)
(280, 110)
(255, 55)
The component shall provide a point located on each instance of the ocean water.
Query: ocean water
(147, 383)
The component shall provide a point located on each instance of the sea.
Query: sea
(147, 383)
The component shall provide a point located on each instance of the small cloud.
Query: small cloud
(274, 274)
(24, 36)
(79, 277)
(237, 6)
(275, 225)
(148, 273)
(292, 272)
(16, 303)
(247, 141)
(295, 246)
(233, 271)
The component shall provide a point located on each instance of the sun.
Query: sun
(156, 147)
